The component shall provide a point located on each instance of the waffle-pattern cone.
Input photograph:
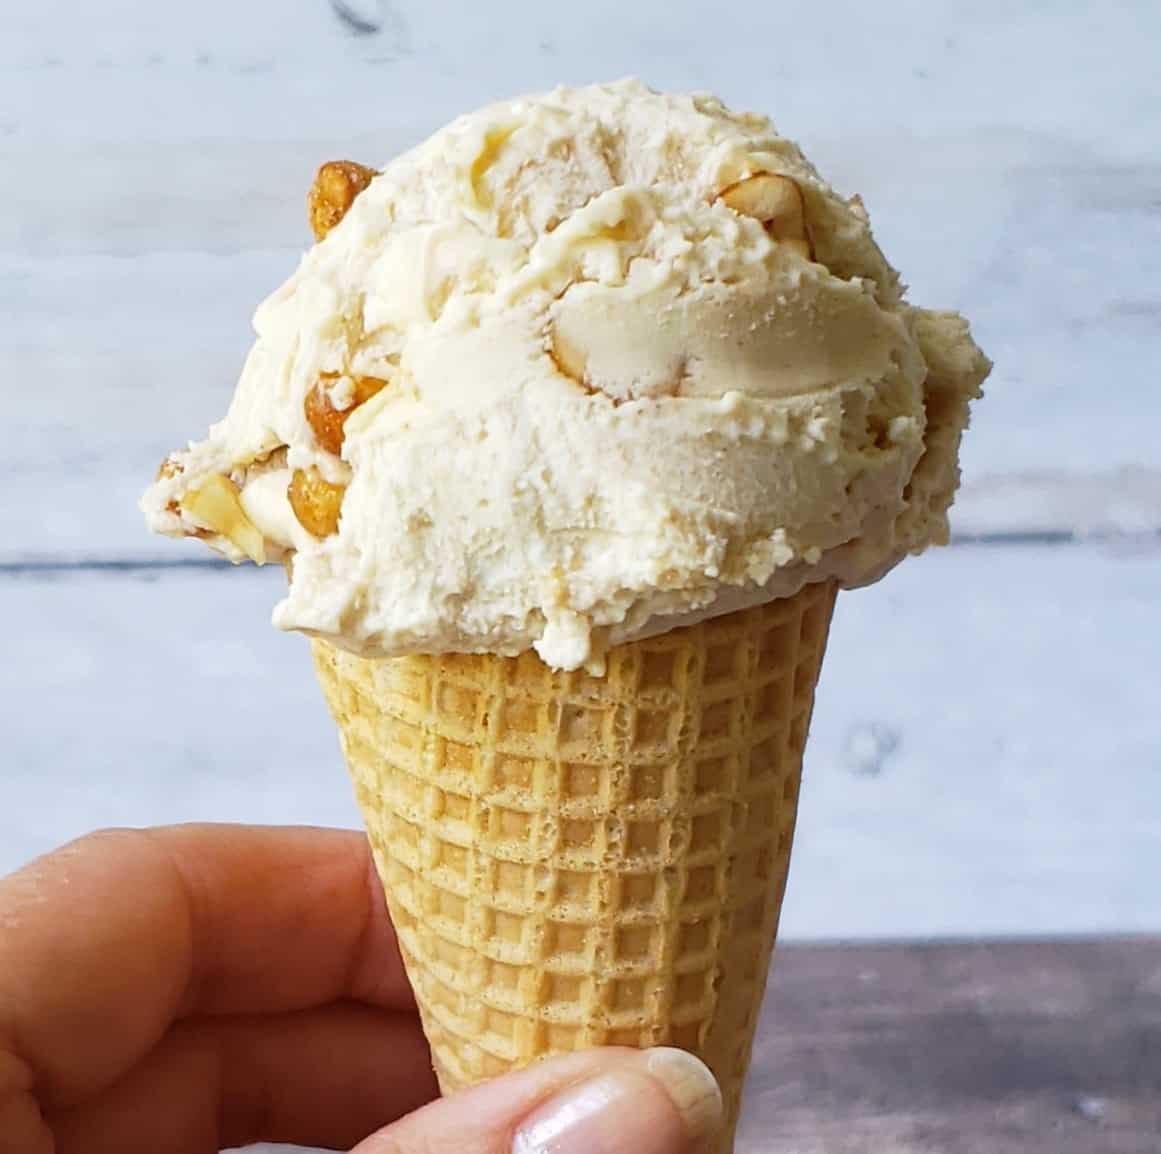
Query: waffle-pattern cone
(576, 861)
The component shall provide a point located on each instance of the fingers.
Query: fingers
(324, 1077)
(109, 940)
(601, 1102)
(283, 919)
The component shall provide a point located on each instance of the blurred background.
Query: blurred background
(986, 754)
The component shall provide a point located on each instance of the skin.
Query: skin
(181, 990)
(192, 988)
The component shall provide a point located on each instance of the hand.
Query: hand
(177, 991)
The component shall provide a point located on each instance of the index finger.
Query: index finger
(107, 941)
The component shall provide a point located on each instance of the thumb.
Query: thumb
(612, 1101)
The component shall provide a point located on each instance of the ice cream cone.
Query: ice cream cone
(576, 861)
(668, 361)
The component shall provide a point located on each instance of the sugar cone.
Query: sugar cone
(576, 861)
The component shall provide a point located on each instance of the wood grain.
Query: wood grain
(154, 160)
(986, 1048)
(983, 757)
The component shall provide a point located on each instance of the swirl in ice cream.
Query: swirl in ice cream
(578, 368)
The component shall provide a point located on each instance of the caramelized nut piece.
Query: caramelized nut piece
(335, 187)
(216, 507)
(169, 468)
(802, 247)
(570, 360)
(315, 501)
(777, 202)
(324, 419)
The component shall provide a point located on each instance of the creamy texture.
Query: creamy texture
(613, 403)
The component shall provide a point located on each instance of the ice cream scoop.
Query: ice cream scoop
(581, 368)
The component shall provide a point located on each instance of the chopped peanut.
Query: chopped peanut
(327, 421)
(802, 247)
(169, 468)
(215, 506)
(570, 360)
(335, 187)
(365, 389)
(777, 202)
(315, 501)
(323, 417)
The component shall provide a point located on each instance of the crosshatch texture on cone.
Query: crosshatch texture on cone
(576, 861)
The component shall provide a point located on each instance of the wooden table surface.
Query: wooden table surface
(1049, 1047)
(986, 755)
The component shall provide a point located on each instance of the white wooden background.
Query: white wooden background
(987, 750)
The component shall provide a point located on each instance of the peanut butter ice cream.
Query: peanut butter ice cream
(580, 368)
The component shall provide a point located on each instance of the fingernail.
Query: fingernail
(691, 1088)
(664, 1102)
